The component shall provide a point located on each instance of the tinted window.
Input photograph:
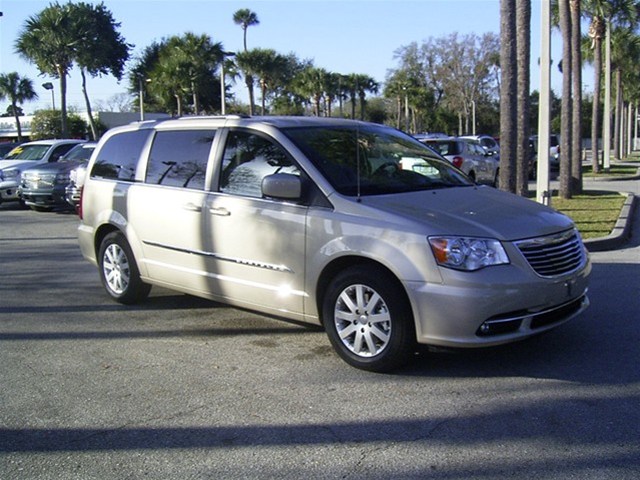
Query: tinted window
(248, 158)
(447, 147)
(371, 160)
(118, 158)
(79, 152)
(60, 150)
(179, 158)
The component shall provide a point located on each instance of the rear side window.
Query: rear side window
(60, 151)
(179, 158)
(447, 147)
(118, 157)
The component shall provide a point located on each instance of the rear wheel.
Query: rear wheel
(118, 270)
(368, 319)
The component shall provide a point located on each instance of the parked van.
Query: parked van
(350, 225)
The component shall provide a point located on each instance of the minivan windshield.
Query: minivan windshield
(370, 160)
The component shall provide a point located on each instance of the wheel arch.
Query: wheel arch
(340, 264)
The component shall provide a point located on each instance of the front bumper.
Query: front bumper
(495, 305)
(47, 198)
(9, 192)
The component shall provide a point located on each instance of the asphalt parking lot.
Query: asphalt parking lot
(183, 388)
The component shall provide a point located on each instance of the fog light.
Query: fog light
(485, 328)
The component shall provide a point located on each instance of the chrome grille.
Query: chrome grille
(554, 255)
(34, 181)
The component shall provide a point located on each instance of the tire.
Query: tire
(119, 272)
(368, 319)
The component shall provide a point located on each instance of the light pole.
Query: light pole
(49, 86)
(223, 97)
(473, 117)
(543, 195)
(141, 83)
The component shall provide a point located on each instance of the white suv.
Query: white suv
(353, 226)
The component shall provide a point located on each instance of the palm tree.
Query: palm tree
(267, 65)
(357, 86)
(566, 143)
(195, 57)
(311, 83)
(624, 50)
(18, 90)
(364, 84)
(246, 18)
(523, 27)
(601, 11)
(576, 113)
(101, 49)
(48, 40)
(508, 95)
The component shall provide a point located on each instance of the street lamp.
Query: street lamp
(223, 108)
(49, 86)
(141, 96)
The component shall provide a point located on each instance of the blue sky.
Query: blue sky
(346, 36)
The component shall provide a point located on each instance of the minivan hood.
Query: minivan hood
(473, 211)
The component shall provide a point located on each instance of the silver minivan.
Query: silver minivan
(350, 225)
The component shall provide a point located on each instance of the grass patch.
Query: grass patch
(614, 171)
(594, 213)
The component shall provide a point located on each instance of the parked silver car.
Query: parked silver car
(350, 225)
(489, 143)
(470, 157)
(43, 186)
(25, 156)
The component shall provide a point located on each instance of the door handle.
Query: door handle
(192, 207)
(220, 211)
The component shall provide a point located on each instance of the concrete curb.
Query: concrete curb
(621, 231)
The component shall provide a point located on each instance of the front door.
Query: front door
(257, 244)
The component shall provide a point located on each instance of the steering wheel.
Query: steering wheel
(386, 168)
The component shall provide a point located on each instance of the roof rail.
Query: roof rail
(196, 117)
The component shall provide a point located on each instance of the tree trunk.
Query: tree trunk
(508, 94)
(92, 122)
(249, 82)
(523, 131)
(576, 117)
(596, 32)
(62, 74)
(17, 118)
(566, 113)
(617, 120)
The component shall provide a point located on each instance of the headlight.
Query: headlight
(62, 179)
(10, 174)
(464, 253)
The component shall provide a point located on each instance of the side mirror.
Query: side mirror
(282, 186)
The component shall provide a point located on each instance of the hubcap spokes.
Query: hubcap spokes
(362, 320)
(116, 269)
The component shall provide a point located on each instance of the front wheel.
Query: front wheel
(368, 319)
(118, 270)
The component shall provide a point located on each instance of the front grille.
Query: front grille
(554, 255)
(35, 181)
